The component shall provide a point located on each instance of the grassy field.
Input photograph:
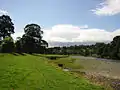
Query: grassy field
(30, 72)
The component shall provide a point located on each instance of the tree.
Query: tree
(115, 48)
(99, 48)
(106, 51)
(33, 31)
(18, 45)
(32, 39)
(6, 26)
(87, 52)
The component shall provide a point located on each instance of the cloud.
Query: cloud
(70, 33)
(65, 34)
(3, 12)
(116, 33)
(108, 7)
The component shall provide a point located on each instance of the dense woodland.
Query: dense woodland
(32, 42)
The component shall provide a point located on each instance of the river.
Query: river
(105, 67)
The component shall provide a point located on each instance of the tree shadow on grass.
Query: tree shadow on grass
(22, 54)
(17, 54)
(35, 54)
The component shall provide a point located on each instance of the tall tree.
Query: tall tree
(32, 39)
(6, 26)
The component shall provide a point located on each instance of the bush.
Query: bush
(7, 45)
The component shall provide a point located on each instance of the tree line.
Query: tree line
(30, 42)
(110, 50)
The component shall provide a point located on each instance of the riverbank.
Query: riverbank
(98, 71)
(102, 71)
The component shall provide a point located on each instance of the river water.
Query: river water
(106, 67)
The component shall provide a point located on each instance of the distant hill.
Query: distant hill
(72, 43)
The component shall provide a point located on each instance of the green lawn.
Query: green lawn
(34, 73)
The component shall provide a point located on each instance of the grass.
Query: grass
(31, 72)
(67, 63)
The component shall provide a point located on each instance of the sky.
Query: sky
(66, 20)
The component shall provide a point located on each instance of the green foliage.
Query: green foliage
(6, 26)
(115, 47)
(31, 41)
(7, 45)
(33, 30)
(18, 45)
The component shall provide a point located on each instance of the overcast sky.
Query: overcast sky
(66, 20)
